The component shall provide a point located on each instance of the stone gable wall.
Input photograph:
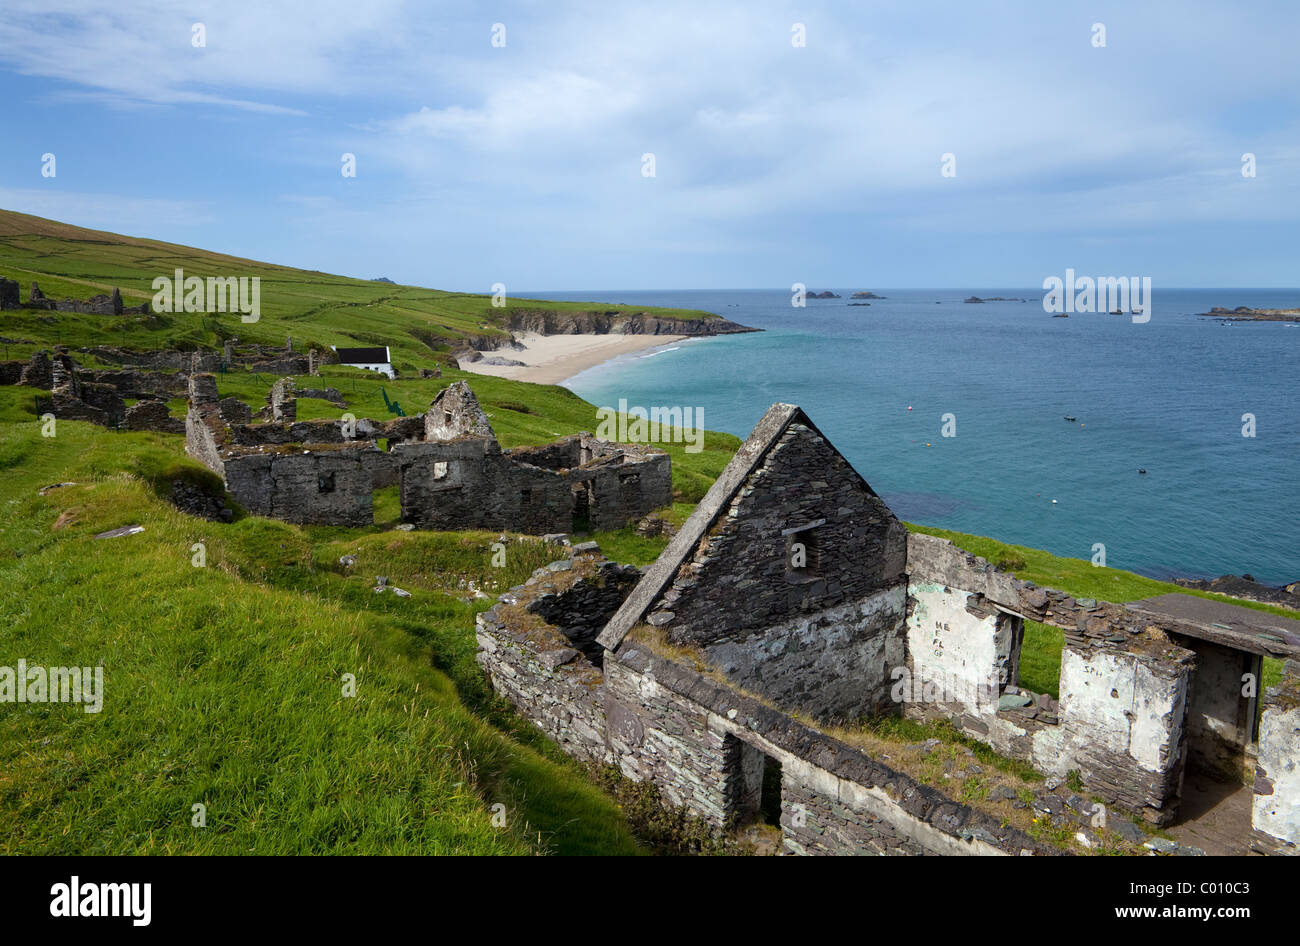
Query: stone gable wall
(740, 579)
(832, 664)
(455, 412)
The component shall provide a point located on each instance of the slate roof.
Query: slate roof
(1257, 632)
(363, 356)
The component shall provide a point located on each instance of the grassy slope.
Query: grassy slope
(223, 683)
(312, 307)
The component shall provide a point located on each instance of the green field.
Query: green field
(315, 309)
(224, 682)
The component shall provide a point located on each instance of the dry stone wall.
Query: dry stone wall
(324, 471)
(678, 728)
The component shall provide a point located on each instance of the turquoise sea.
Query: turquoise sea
(1166, 396)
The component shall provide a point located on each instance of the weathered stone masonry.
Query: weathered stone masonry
(697, 739)
(748, 639)
(325, 471)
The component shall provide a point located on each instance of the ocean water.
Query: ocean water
(1167, 396)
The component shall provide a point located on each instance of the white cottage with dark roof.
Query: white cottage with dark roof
(371, 359)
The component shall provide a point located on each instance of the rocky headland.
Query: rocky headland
(1246, 588)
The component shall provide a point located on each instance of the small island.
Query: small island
(994, 299)
(823, 295)
(864, 294)
(1246, 314)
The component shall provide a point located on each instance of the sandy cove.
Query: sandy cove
(551, 359)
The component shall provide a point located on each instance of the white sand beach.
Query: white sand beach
(551, 359)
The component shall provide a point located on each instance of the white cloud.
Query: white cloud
(536, 148)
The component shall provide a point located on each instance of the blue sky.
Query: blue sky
(773, 164)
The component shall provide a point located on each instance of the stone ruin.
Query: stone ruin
(451, 472)
(10, 294)
(258, 358)
(793, 598)
(95, 305)
(150, 377)
(78, 393)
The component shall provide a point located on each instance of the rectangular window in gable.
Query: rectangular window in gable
(802, 556)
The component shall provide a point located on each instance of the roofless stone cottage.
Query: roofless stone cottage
(793, 597)
(451, 471)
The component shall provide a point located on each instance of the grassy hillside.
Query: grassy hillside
(224, 683)
(314, 308)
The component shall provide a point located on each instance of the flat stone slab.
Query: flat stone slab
(1257, 632)
(118, 533)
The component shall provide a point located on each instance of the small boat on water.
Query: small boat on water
(1070, 419)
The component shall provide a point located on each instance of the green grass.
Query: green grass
(1040, 658)
(223, 684)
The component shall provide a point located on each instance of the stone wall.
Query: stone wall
(1276, 808)
(206, 432)
(455, 412)
(679, 729)
(622, 483)
(741, 577)
(469, 483)
(531, 647)
(1221, 710)
(1120, 720)
(554, 685)
(833, 663)
(282, 401)
(959, 647)
(152, 415)
(815, 822)
(10, 294)
(581, 610)
(252, 358)
(320, 485)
